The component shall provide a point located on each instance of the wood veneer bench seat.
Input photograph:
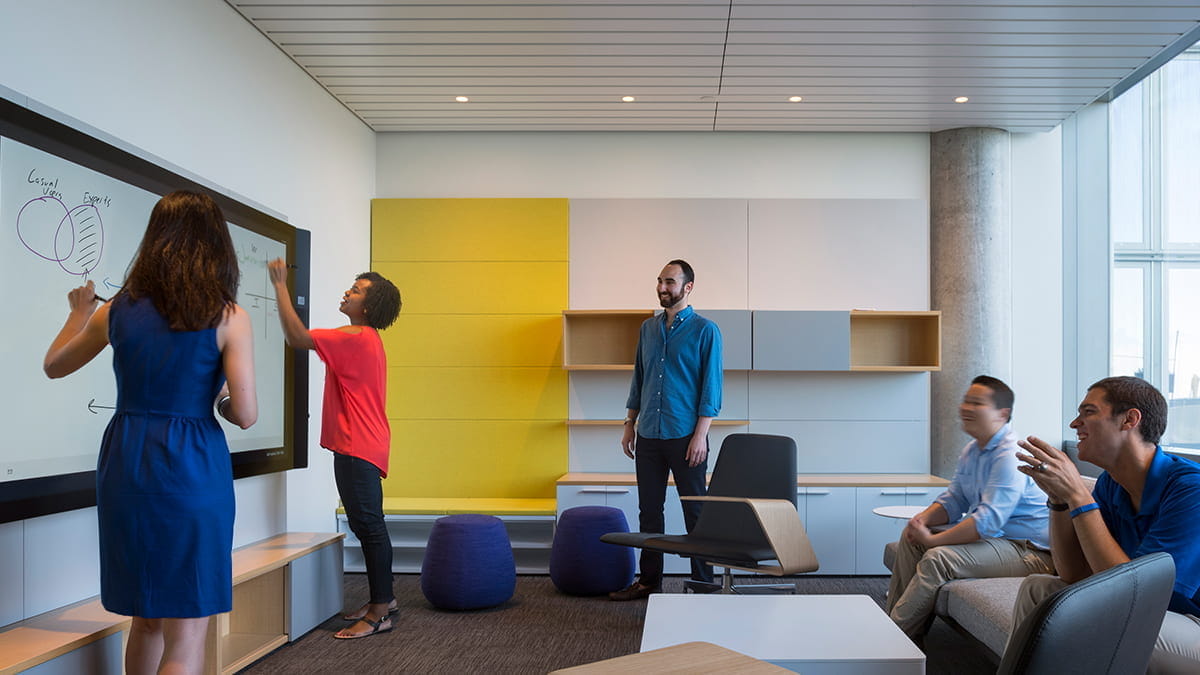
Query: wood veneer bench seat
(47, 636)
(802, 480)
(444, 506)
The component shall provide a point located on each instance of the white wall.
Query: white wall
(194, 84)
(1037, 313)
(654, 165)
(764, 166)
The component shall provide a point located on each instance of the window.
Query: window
(1154, 211)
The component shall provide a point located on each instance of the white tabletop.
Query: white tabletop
(899, 511)
(811, 633)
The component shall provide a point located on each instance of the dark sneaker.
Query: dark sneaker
(634, 591)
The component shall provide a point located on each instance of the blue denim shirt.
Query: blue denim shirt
(1005, 503)
(677, 374)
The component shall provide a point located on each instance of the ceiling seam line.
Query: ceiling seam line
(721, 74)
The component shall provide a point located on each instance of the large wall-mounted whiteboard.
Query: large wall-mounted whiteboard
(62, 223)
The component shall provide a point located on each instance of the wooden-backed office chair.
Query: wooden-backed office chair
(1107, 623)
(749, 520)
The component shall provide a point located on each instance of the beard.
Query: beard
(669, 300)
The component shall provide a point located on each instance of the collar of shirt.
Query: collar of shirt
(1156, 480)
(997, 438)
(683, 315)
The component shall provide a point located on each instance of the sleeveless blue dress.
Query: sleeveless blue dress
(164, 482)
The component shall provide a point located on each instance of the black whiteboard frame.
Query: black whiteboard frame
(30, 498)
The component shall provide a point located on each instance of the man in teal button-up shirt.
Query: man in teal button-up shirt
(673, 398)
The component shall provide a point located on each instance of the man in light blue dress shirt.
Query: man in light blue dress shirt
(673, 398)
(998, 516)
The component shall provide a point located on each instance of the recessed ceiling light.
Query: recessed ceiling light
(628, 99)
(795, 99)
(961, 99)
(461, 99)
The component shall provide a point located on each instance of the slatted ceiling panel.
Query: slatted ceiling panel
(861, 65)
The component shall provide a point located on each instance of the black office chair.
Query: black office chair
(749, 521)
(1107, 623)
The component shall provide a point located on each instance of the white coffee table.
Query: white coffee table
(813, 634)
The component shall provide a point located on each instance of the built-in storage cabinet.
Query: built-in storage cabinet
(771, 340)
(828, 515)
(875, 531)
(601, 339)
(607, 339)
(283, 587)
(900, 341)
(846, 535)
(855, 340)
(530, 536)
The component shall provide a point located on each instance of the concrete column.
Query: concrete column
(970, 236)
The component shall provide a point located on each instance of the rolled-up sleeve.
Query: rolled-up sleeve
(712, 369)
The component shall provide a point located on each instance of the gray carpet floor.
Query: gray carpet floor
(537, 631)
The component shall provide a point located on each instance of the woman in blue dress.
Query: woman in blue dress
(164, 485)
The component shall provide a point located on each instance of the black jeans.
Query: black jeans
(361, 489)
(654, 459)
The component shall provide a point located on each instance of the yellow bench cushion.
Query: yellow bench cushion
(441, 506)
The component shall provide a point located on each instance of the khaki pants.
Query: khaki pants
(1177, 649)
(920, 572)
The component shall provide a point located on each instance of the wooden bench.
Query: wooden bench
(266, 613)
(56, 633)
(530, 524)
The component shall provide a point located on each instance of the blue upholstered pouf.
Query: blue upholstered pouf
(581, 564)
(468, 563)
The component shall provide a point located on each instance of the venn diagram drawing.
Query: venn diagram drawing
(72, 237)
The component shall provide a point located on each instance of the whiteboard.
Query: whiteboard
(62, 224)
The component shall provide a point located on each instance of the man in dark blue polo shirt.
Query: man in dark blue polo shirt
(674, 396)
(1145, 501)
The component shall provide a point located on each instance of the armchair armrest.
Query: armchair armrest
(781, 524)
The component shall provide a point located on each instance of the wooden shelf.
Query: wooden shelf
(262, 618)
(895, 341)
(606, 340)
(601, 339)
(617, 423)
(802, 480)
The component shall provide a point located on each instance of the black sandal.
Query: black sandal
(376, 627)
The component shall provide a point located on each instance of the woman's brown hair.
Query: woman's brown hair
(186, 264)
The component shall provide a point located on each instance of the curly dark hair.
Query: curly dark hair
(382, 302)
(186, 264)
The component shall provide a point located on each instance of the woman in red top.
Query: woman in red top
(354, 423)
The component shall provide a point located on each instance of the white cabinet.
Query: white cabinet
(875, 531)
(530, 536)
(828, 515)
(836, 509)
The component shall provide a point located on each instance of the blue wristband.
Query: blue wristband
(1084, 509)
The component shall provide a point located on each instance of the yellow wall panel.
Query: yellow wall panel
(477, 393)
(474, 340)
(479, 287)
(461, 458)
(468, 229)
(477, 397)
